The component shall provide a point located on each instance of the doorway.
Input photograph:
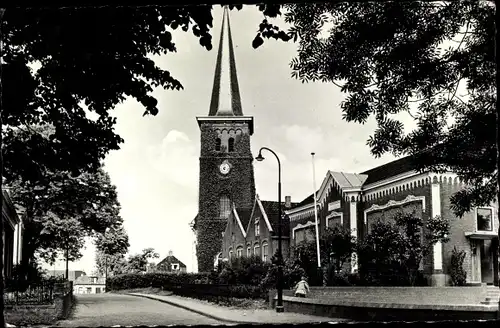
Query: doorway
(486, 252)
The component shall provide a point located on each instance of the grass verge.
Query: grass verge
(29, 316)
(239, 303)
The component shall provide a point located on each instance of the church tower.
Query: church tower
(226, 169)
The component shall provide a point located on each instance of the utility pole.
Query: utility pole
(316, 213)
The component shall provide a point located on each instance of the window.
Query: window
(230, 144)
(256, 250)
(257, 227)
(265, 252)
(233, 238)
(239, 251)
(175, 266)
(217, 144)
(230, 254)
(484, 219)
(249, 251)
(89, 290)
(225, 208)
(97, 290)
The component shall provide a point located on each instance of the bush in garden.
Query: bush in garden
(458, 274)
(292, 272)
(156, 279)
(393, 250)
(243, 270)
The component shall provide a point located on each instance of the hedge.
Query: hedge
(158, 280)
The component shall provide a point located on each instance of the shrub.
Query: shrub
(243, 270)
(158, 280)
(292, 273)
(457, 273)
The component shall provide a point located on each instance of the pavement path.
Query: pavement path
(108, 310)
(235, 315)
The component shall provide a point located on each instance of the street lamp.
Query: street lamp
(279, 286)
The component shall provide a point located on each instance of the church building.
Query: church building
(231, 219)
(227, 181)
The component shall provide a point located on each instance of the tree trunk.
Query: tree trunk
(498, 203)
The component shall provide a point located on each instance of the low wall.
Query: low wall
(388, 312)
(400, 295)
(392, 303)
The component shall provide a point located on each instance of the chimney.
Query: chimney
(288, 201)
(170, 253)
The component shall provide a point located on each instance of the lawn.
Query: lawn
(239, 303)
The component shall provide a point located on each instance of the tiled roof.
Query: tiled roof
(390, 169)
(309, 199)
(87, 280)
(349, 180)
(171, 259)
(244, 215)
(272, 210)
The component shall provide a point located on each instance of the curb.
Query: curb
(193, 310)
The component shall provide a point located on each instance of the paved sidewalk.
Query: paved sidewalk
(232, 315)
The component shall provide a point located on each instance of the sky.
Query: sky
(157, 168)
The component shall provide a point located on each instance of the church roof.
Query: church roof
(244, 215)
(226, 100)
(271, 209)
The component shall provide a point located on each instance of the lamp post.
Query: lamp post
(279, 286)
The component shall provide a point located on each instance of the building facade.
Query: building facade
(11, 235)
(357, 201)
(257, 234)
(226, 169)
(171, 264)
(89, 285)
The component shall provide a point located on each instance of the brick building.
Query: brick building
(256, 233)
(171, 264)
(356, 201)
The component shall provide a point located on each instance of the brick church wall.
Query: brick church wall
(239, 185)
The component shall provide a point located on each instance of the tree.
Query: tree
(60, 210)
(390, 57)
(111, 247)
(116, 263)
(137, 263)
(392, 251)
(338, 244)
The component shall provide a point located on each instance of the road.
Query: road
(95, 310)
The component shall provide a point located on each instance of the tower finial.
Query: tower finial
(226, 99)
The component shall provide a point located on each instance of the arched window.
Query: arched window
(217, 144)
(230, 144)
(265, 252)
(225, 208)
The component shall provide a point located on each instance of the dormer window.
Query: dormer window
(217, 144)
(484, 219)
(257, 227)
(230, 145)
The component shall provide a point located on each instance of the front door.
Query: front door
(486, 261)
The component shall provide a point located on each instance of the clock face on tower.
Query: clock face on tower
(224, 168)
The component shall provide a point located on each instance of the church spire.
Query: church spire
(225, 93)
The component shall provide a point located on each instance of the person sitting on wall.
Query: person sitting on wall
(302, 288)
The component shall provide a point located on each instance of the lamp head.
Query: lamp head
(259, 158)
